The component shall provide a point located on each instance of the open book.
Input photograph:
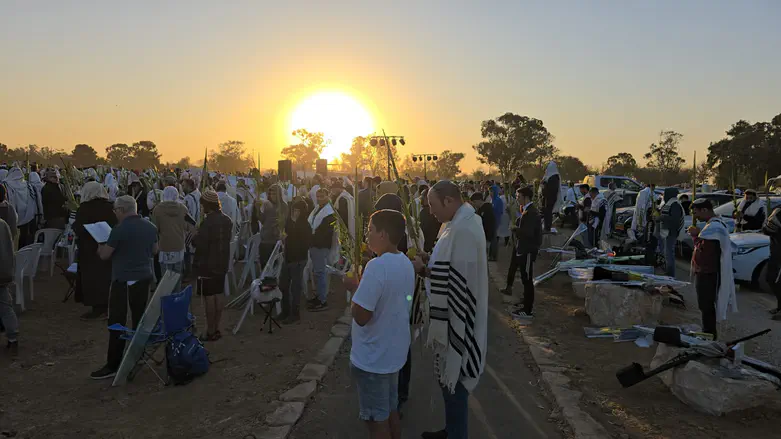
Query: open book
(99, 231)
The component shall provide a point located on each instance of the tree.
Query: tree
(621, 164)
(230, 157)
(747, 153)
(511, 142)
(413, 168)
(304, 154)
(571, 168)
(479, 174)
(447, 164)
(362, 155)
(664, 157)
(119, 155)
(84, 155)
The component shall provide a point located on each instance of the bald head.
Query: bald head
(444, 199)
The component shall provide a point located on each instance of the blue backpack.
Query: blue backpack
(187, 358)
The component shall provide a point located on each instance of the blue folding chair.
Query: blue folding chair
(174, 317)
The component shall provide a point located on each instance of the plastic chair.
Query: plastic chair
(33, 267)
(253, 247)
(174, 317)
(50, 238)
(24, 259)
(231, 275)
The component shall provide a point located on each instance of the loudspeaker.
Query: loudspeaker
(285, 170)
(321, 167)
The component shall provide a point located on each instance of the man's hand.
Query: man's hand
(418, 264)
(694, 231)
(351, 282)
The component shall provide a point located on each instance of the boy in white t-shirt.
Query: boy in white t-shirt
(380, 332)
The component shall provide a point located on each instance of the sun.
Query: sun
(337, 115)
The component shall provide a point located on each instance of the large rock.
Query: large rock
(580, 289)
(704, 386)
(616, 305)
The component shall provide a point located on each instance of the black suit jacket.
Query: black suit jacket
(528, 232)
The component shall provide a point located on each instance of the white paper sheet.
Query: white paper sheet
(99, 231)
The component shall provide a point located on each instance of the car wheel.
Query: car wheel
(761, 280)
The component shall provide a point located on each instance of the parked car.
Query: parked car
(627, 187)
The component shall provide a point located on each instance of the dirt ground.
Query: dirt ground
(47, 393)
(648, 410)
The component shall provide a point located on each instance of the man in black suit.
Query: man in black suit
(486, 212)
(528, 239)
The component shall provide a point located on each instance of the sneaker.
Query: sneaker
(319, 306)
(522, 315)
(13, 348)
(103, 373)
(441, 434)
(507, 291)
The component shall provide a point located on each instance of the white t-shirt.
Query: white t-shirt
(388, 283)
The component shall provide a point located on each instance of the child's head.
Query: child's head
(386, 228)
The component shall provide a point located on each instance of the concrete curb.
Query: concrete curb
(291, 403)
(551, 368)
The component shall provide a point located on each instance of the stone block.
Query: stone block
(340, 331)
(312, 372)
(710, 388)
(301, 392)
(345, 320)
(328, 353)
(286, 414)
(616, 305)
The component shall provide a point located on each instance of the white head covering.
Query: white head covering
(170, 194)
(550, 171)
(35, 179)
(93, 190)
(3, 174)
(19, 195)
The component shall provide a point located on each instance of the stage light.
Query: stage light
(414, 159)
(393, 142)
(435, 158)
(373, 142)
(402, 141)
(382, 142)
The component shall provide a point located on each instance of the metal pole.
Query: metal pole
(425, 175)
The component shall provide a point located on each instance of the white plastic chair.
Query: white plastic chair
(24, 258)
(231, 275)
(272, 269)
(32, 267)
(50, 238)
(253, 247)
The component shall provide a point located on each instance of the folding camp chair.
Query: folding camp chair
(265, 291)
(251, 259)
(174, 317)
(70, 274)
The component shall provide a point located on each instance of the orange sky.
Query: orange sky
(602, 77)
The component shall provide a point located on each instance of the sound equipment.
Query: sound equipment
(285, 170)
(321, 167)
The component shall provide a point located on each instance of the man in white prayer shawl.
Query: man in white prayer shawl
(457, 284)
(316, 181)
(611, 198)
(751, 212)
(639, 217)
(712, 266)
(229, 205)
(596, 216)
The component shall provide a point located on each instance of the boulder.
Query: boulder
(616, 305)
(579, 289)
(710, 388)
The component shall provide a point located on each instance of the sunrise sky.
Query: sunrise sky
(604, 76)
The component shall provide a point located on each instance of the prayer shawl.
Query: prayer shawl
(550, 171)
(21, 196)
(316, 218)
(597, 203)
(458, 303)
(571, 198)
(726, 300)
(641, 209)
(313, 193)
(350, 210)
(663, 231)
(750, 210)
(612, 198)
(111, 186)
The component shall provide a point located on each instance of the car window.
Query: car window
(605, 182)
(627, 184)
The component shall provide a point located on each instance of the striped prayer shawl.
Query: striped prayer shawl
(458, 302)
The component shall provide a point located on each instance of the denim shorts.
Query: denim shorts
(378, 394)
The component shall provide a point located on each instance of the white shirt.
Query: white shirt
(387, 285)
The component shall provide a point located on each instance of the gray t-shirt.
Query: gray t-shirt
(133, 241)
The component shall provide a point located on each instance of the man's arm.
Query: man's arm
(366, 296)
(105, 251)
(361, 315)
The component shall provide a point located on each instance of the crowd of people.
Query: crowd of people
(185, 220)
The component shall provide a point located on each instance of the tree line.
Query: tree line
(510, 144)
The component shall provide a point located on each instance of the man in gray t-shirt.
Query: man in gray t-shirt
(131, 246)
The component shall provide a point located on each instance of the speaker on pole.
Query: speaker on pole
(321, 167)
(285, 170)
